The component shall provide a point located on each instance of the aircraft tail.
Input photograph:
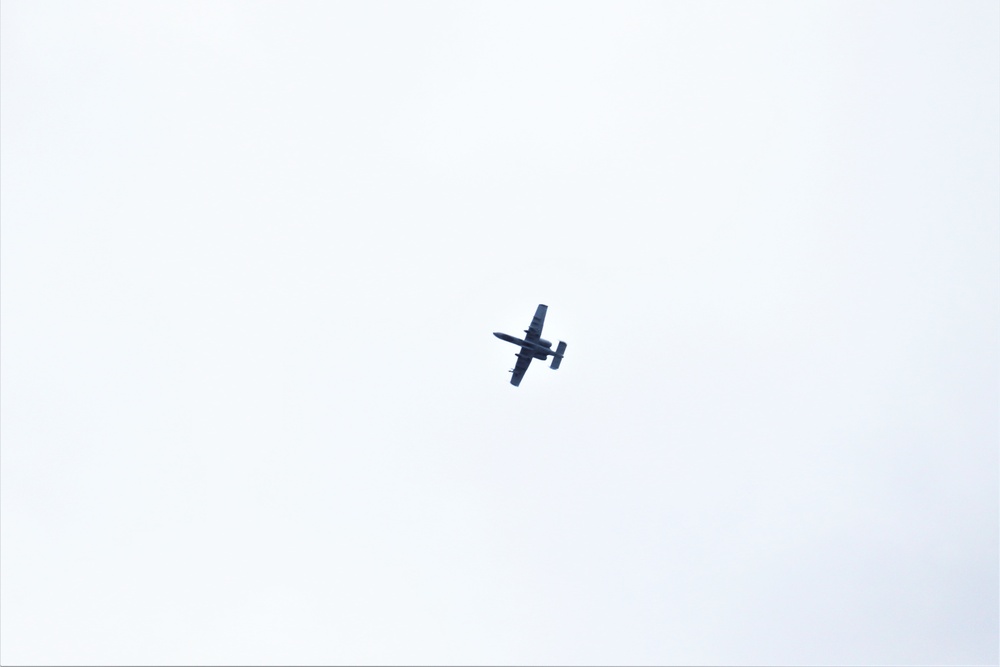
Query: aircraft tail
(557, 359)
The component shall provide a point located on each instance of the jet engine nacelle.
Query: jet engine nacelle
(544, 343)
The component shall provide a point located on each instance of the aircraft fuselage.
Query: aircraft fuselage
(539, 349)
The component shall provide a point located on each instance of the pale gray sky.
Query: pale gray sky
(253, 253)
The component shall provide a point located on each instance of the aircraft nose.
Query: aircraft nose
(497, 334)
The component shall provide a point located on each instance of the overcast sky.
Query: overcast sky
(253, 254)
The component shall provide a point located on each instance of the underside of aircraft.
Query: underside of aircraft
(533, 346)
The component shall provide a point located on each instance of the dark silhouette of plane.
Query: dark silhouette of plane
(533, 346)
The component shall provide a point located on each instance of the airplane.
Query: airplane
(533, 346)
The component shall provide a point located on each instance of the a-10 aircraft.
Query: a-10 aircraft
(533, 346)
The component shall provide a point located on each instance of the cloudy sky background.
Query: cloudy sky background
(252, 255)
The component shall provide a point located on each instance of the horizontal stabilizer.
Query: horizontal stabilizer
(557, 358)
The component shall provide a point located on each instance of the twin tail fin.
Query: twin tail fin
(557, 357)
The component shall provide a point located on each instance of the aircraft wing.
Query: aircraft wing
(523, 359)
(535, 330)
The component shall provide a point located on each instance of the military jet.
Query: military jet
(533, 346)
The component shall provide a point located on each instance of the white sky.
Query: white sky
(252, 256)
